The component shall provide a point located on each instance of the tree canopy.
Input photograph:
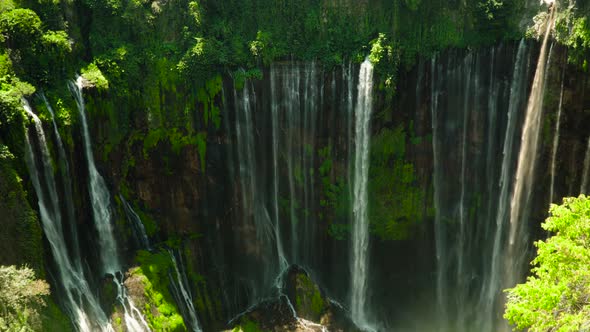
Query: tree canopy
(556, 297)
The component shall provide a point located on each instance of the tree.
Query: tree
(21, 298)
(556, 297)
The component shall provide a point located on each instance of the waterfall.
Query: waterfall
(255, 212)
(139, 233)
(292, 106)
(296, 101)
(360, 222)
(181, 293)
(584, 185)
(67, 185)
(525, 172)
(464, 142)
(77, 297)
(493, 285)
(283, 264)
(99, 194)
(474, 146)
(101, 208)
(556, 139)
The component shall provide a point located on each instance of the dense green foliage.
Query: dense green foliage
(22, 224)
(246, 325)
(393, 183)
(154, 269)
(572, 28)
(22, 297)
(555, 297)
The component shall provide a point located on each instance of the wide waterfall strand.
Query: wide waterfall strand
(360, 222)
(439, 227)
(80, 304)
(556, 139)
(292, 105)
(492, 287)
(283, 264)
(255, 213)
(470, 130)
(296, 104)
(99, 194)
(525, 172)
(101, 200)
(67, 185)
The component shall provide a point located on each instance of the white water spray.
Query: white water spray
(82, 307)
(360, 222)
(529, 143)
(182, 290)
(101, 208)
(556, 140)
(99, 195)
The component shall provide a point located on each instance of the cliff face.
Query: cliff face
(217, 208)
(246, 171)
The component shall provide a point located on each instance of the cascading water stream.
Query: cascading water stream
(77, 297)
(99, 194)
(139, 232)
(283, 264)
(360, 222)
(517, 90)
(182, 294)
(473, 138)
(255, 211)
(437, 176)
(464, 143)
(514, 260)
(101, 208)
(67, 185)
(292, 106)
(556, 139)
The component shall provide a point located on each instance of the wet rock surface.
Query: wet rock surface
(303, 307)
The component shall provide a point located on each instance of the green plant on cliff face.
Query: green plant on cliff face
(177, 141)
(154, 269)
(247, 325)
(93, 74)
(23, 223)
(385, 59)
(335, 200)
(579, 42)
(395, 200)
(207, 96)
(38, 54)
(555, 297)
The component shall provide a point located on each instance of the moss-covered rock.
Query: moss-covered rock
(148, 286)
(108, 293)
(20, 239)
(305, 295)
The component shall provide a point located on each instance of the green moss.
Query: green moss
(177, 140)
(207, 96)
(309, 303)
(93, 74)
(335, 198)
(247, 325)
(20, 220)
(154, 269)
(53, 319)
(396, 201)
